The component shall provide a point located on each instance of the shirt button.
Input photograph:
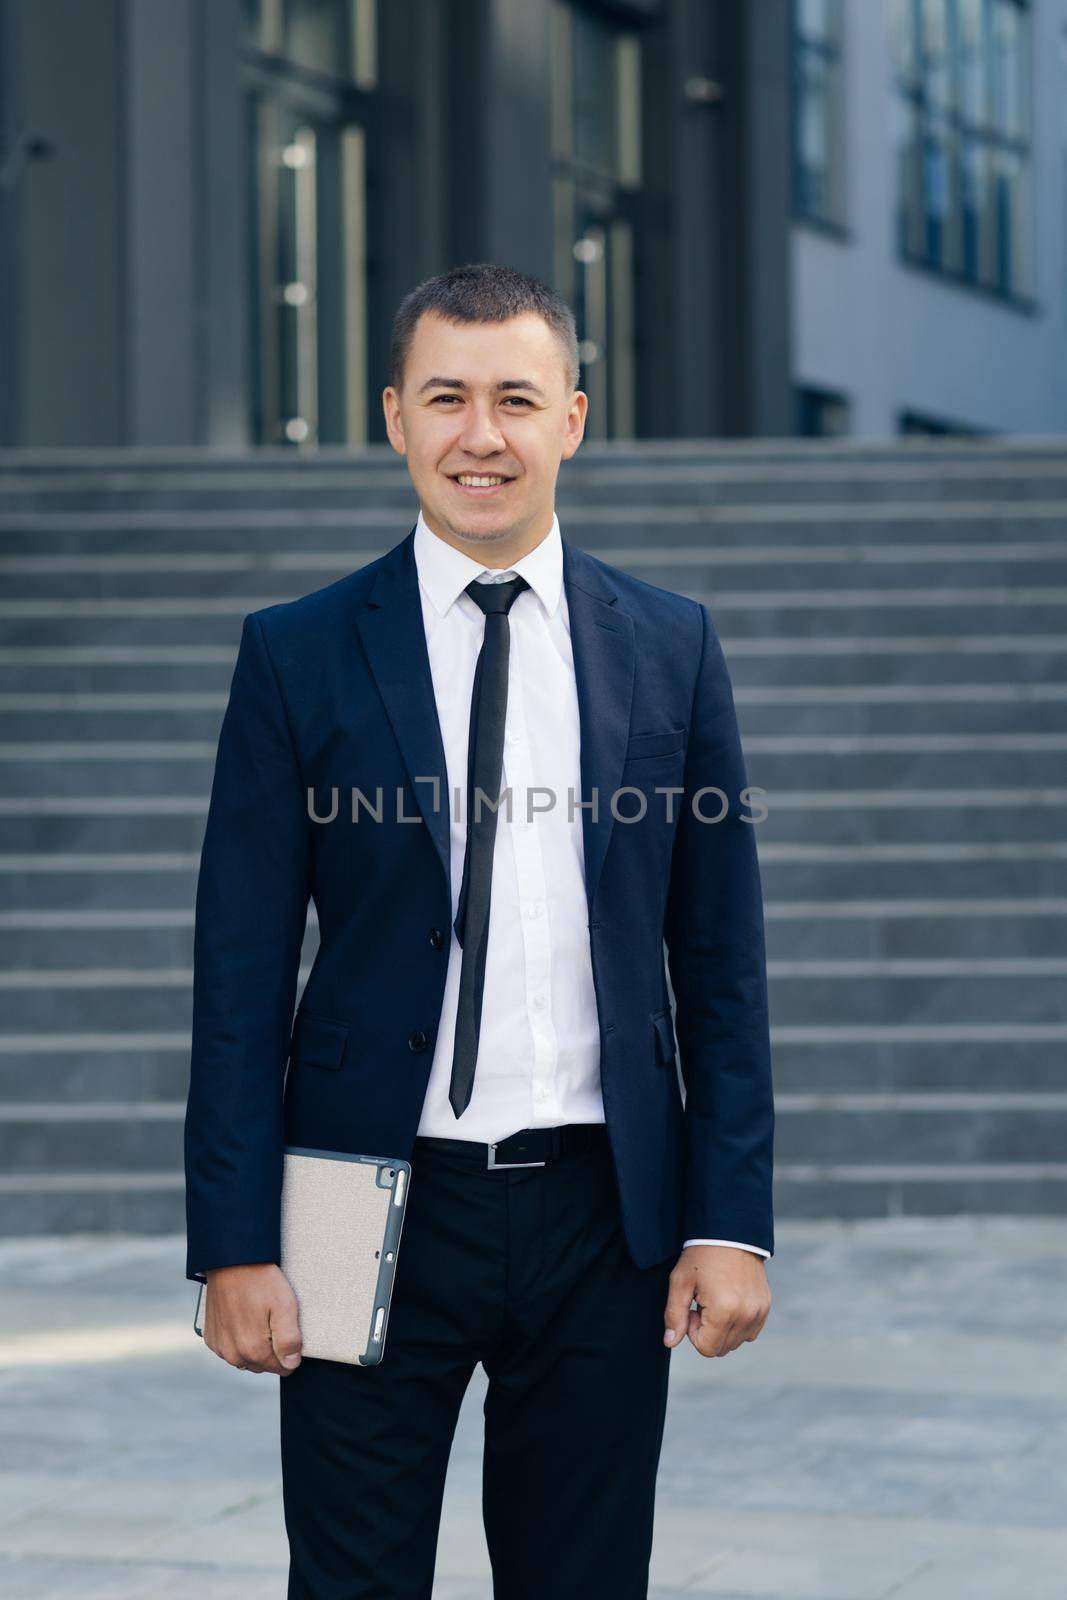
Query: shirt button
(534, 910)
(539, 1001)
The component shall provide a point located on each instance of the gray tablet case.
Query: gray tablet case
(341, 1221)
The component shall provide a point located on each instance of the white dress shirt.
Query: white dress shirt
(539, 1041)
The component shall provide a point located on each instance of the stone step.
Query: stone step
(1004, 662)
(633, 531)
(123, 1065)
(950, 1130)
(911, 762)
(80, 936)
(695, 484)
(41, 1203)
(156, 628)
(664, 489)
(145, 1137)
(182, 720)
(804, 991)
(963, 1128)
(763, 459)
(810, 1191)
(929, 816)
(908, 991)
(759, 613)
(129, 882)
(123, 769)
(921, 816)
(802, 711)
(739, 614)
(814, 454)
(934, 927)
(137, 881)
(152, 1202)
(82, 1074)
(960, 1058)
(786, 711)
(821, 872)
(748, 630)
(944, 569)
(53, 831)
(168, 767)
(898, 661)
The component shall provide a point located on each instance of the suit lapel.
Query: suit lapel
(394, 639)
(602, 641)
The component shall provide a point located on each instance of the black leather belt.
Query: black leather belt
(530, 1147)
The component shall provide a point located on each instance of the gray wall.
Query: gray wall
(124, 246)
(64, 213)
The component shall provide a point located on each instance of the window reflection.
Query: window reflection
(962, 139)
(817, 127)
(596, 191)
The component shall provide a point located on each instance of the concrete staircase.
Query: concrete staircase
(894, 617)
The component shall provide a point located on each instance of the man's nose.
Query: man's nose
(480, 431)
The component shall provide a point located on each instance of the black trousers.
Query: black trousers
(526, 1271)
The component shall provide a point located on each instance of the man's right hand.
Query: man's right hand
(252, 1319)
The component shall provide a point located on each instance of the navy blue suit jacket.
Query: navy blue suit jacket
(334, 691)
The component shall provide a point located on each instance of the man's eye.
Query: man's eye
(518, 399)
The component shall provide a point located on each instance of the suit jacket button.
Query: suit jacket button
(436, 938)
(417, 1040)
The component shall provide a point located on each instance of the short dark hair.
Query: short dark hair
(481, 291)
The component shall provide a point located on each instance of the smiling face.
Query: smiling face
(486, 400)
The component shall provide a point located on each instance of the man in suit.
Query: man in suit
(488, 998)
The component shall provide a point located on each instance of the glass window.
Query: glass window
(596, 94)
(595, 80)
(822, 414)
(818, 177)
(332, 37)
(962, 139)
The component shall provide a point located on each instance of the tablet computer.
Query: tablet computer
(341, 1221)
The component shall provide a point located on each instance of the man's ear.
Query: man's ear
(394, 426)
(576, 415)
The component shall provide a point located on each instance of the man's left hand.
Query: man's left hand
(732, 1294)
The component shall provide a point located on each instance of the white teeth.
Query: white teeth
(478, 483)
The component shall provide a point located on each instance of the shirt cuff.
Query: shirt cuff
(755, 1249)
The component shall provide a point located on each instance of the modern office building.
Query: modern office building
(824, 216)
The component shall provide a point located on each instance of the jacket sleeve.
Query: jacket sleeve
(251, 910)
(716, 956)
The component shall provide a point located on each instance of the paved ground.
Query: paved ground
(899, 1430)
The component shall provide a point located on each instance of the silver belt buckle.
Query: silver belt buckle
(493, 1163)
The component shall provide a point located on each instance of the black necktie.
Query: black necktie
(485, 755)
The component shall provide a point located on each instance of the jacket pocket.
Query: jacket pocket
(318, 1041)
(665, 1046)
(666, 743)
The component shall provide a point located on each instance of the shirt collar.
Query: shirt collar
(444, 571)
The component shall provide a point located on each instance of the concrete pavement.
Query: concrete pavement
(898, 1432)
